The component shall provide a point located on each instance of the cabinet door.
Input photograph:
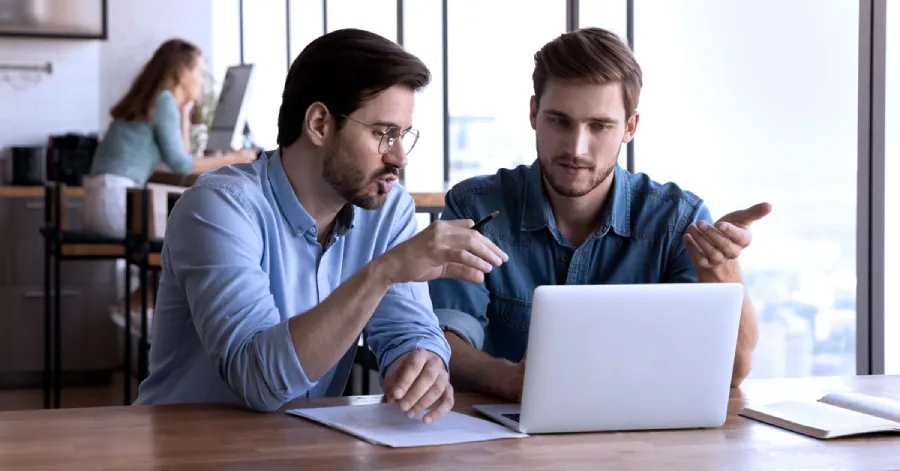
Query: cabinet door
(7, 249)
(88, 334)
(29, 253)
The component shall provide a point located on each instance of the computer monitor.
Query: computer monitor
(229, 120)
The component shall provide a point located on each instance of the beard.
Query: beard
(350, 181)
(563, 184)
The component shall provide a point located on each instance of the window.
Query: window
(377, 16)
(422, 37)
(490, 80)
(265, 46)
(606, 14)
(611, 15)
(757, 101)
(226, 39)
(892, 193)
(306, 24)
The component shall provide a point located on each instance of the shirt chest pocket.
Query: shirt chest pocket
(509, 312)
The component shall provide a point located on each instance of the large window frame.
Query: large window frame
(870, 304)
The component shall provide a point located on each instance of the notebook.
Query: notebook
(832, 416)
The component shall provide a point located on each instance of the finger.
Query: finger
(420, 387)
(492, 246)
(428, 400)
(407, 375)
(464, 223)
(445, 405)
(747, 216)
(695, 251)
(466, 258)
(462, 272)
(722, 242)
(739, 236)
(712, 253)
(481, 247)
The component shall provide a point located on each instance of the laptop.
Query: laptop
(626, 357)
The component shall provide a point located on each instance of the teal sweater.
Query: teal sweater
(134, 149)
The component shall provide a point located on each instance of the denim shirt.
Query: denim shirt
(639, 239)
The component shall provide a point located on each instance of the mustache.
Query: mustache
(572, 161)
(385, 171)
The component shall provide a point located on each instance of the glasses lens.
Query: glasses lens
(409, 140)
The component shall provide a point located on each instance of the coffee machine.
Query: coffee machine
(69, 157)
(26, 165)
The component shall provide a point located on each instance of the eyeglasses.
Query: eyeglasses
(390, 136)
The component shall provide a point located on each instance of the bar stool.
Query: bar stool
(62, 244)
(143, 250)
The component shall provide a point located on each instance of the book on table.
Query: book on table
(834, 415)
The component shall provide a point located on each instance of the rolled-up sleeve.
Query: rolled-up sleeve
(167, 131)
(460, 306)
(214, 246)
(681, 268)
(404, 320)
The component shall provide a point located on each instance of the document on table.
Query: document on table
(385, 424)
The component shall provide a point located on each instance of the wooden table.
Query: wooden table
(226, 437)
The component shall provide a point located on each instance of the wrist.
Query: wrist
(728, 272)
(381, 270)
(505, 376)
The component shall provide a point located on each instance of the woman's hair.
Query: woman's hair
(160, 73)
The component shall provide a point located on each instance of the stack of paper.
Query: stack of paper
(385, 424)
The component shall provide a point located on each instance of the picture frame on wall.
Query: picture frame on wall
(57, 19)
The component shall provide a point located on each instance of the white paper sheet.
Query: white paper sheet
(385, 424)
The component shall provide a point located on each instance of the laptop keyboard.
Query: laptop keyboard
(513, 417)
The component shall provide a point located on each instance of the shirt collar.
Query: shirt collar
(299, 219)
(538, 214)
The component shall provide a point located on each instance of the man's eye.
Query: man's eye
(558, 121)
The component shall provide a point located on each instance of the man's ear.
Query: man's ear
(318, 123)
(631, 127)
(533, 112)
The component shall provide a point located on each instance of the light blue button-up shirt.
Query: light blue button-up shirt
(240, 259)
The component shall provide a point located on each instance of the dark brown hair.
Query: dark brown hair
(589, 54)
(159, 74)
(341, 70)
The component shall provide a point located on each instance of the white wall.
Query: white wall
(90, 76)
(136, 29)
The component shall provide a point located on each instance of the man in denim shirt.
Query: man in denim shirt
(575, 217)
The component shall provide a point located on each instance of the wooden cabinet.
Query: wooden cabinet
(88, 289)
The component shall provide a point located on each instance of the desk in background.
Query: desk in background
(226, 437)
(430, 202)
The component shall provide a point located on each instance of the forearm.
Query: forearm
(748, 330)
(186, 133)
(473, 370)
(322, 335)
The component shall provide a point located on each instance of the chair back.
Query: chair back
(56, 195)
(139, 220)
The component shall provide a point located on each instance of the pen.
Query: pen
(485, 220)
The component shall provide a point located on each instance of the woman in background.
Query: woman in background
(151, 126)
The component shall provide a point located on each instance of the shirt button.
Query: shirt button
(299, 230)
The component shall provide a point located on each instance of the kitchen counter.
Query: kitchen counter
(16, 191)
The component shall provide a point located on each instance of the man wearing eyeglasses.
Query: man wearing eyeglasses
(271, 270)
